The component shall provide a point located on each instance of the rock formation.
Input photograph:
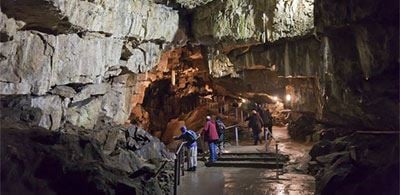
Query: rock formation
(113, 160)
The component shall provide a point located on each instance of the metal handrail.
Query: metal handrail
(177, 166)
(229, 127)
(179, 148)
(236, 132)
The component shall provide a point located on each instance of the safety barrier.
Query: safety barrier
(179, 166)
(236, 132)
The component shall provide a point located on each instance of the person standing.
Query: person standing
(190, 138)
(221, 134)
(263, 116)
(255, 123)
(269, 120)
(211, 137)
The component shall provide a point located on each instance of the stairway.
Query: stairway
(250, 160)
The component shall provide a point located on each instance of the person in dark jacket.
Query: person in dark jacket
(264, 118)
(268, 121)
(190, 137)
(255, 123)
(211, 137)
(221, 134)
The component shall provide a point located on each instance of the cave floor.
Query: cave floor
(232, 180)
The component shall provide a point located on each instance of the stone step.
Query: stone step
(251, 153)
(254, 156)
(246, 164)
(246, 158)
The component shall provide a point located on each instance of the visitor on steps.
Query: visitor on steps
(221, 131)
(264, 118)
(211, 137)
(190, 138)
(255, 123)
(268, 121)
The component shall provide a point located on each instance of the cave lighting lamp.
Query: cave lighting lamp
(288, 97)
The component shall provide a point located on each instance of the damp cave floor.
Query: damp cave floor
(254, 181)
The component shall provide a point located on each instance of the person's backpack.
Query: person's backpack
(220, 128)
(192, 136)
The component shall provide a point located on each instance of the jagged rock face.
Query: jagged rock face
(113, 160)
(86, 54)
(252, 21)
(355, 164)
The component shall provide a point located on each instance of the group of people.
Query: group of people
(213, 134)
(260, 120)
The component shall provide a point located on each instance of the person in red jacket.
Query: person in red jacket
(211, 137)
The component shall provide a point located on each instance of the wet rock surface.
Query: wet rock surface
(357, 164)
(113, 160)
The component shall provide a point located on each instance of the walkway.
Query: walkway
(253, 181)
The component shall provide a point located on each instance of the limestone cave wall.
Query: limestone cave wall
(79, 61)
(350, 49)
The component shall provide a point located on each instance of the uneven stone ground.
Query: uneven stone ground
(229, 180)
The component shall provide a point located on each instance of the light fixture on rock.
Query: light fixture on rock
(288, 97)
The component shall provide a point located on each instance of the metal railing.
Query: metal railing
(236, 126)
(179, 166)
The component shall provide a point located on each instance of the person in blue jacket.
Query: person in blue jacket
(190, 138)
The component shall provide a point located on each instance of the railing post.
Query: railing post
(276, 160)
(237, 136)
(176, 168)
(183, 161)
(187, 158)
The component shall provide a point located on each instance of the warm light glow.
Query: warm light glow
(288, 97)
(244, 100)
(275, 98)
